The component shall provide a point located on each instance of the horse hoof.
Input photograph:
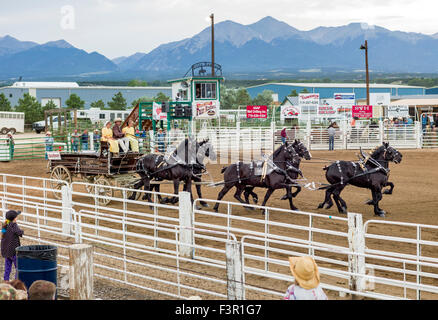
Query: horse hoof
(285, 197)
(344, 210)
(387, 192)
(326, 206)
(369, 202)
(215, 209)
(295, 209)
(197, 207)
(249, 208)
(381, 214)
(320, 206)
(255, 200)
(204, 204)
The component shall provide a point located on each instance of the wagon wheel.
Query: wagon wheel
(4, 130)
(59, 173)
(89, 180)
(101, 189)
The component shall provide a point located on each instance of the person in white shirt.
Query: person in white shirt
(307, 283)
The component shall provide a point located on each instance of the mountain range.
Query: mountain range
(266, 48)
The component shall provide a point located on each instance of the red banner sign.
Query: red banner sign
(362, 112)
(256, 111)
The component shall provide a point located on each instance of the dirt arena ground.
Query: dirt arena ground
(414, 199)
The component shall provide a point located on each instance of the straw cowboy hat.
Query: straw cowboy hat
(305, 271)
(118, 120)
(48, 132)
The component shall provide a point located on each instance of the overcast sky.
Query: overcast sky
(123, 27)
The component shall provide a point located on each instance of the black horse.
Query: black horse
(203, 149)
(241, 175)
(373, 176)
(303, 152)
(155, 167)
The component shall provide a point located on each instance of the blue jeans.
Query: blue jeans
(48, 148)
(283, 140)
(331, 142)
(85, 146)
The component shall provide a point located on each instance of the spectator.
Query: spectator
(130, 134)
(11, 143)
(75, 141)
(306, 286)
(331, 134)
(49, 142)
(107, 136)
(431, 120)
(7, 292)
(84, 140)
(42, 290)
(21, 289)
(161, 139)
(423, 122)
(11, 234)
(283, 135)
(96, 139)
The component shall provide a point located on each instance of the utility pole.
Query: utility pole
(365, 47)
(212, 44)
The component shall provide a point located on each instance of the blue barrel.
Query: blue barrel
(37, 262)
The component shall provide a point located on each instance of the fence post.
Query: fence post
(91, 144)
(418, 134)
(185, 223)
(381, 132)
(356, 260)
(309, 133)
(66, 210)
(235, 282)
(81, 272)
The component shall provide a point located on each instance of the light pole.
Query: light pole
(365, 47)
(212, 44)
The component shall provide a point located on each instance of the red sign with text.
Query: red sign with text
(256, 111)
(362, 112)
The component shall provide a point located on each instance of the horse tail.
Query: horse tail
(223, 169)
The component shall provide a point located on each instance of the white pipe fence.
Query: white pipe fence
(179, 251)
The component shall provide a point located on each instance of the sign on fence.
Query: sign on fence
(362, 111)
(380, 98)
(53, 155)
(289, 112)
(157, 112)
(256, 112)
(308, 102)
(398, 111)
(207, 109)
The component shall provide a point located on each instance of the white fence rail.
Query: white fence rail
(179, 251)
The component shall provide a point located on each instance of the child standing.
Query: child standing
(11, 234)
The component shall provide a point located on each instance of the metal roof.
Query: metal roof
(334, 85)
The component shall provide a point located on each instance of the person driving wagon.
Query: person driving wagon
(120, 137)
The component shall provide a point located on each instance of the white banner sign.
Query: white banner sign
(380, 99)
(289, 112)
(398, 111)
(156, 112)
(53, 155)
(308, 102)
(207, 109)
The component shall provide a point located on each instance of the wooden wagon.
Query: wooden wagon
(99, 171)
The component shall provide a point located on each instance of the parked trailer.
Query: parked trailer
(12, 122)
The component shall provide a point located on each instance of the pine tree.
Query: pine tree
(75, 102)
(5, 105)
(118, 102)
(31, 108)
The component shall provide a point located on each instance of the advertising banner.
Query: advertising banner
(207, 109)
(398, 111)
(256, 112)
(348, 97)
(308, 101)
(362, 112)
(327, 110)
(157, 113)
(289, 112)
(380, 99)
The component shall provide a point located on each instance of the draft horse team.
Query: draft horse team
(280, 170)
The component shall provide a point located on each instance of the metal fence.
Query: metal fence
(179, 251)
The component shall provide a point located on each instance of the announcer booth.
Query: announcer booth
(199, 88)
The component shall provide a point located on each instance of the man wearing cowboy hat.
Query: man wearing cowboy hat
(120, 136)
(306, 286)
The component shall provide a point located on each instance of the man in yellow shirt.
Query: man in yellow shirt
(107, 136)
(129, 132)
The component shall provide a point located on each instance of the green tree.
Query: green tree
(49, 105)
(98, 104)
(5, 105)
(304, 91)
(118, 102)
(137, 83)
(228, 98)
(141, 99)
(31, 108)
(242, 97)
(75, 102)
(264, 98)
(293, 93)
(161, 97)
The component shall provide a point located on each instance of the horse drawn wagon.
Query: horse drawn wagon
(99, 170)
